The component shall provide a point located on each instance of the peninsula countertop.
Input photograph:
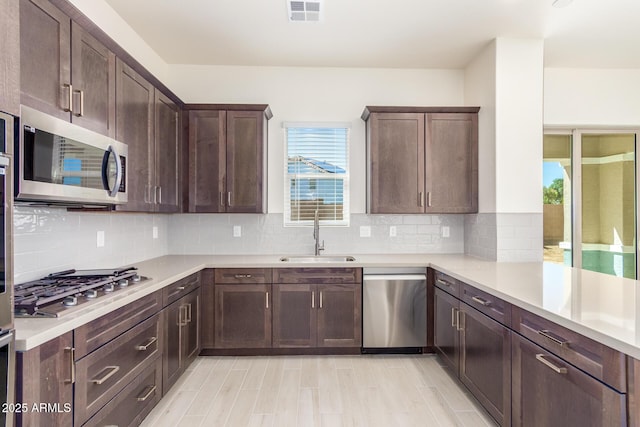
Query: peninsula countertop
(601, 307)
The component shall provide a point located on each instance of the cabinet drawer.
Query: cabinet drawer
(177, 290)
(448, 284)
(242, 275)
(102, 330)
(598, 360)
(105, 372)
(548, 391)
(486, 303)
(317, 275)
(134, 402)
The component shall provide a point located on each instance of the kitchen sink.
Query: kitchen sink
(316, 259)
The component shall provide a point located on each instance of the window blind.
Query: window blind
(316, 174)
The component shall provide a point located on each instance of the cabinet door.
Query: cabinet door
(245, 161)
(548, 391)
(207, 309)
(134, 118)
(207, 161)
(93, 79)
(396, 162)
(45, 58)
(446, 337)
(452, 163)
(243, 316)
(485, 362)
(294, 315)
(46, 375)
(339, 315)
(172, 355)
(10, 60)
(167, 148)
(191, 335)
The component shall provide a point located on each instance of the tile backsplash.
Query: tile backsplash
(265, 234)
(52, 239)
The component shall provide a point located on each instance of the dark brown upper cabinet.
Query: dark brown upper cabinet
(134, 127)
(50, 42)
(422, 159)
(149, 123)
(227, 158)
(10, 59)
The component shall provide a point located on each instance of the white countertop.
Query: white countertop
(601, 307)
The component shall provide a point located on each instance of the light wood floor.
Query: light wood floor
(317, 391)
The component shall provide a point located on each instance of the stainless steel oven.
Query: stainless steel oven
(8, 133)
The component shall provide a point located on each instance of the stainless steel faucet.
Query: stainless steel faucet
(316, 233)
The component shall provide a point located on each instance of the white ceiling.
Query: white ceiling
(384, 33)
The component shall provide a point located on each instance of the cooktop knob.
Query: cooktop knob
(136, 278)
(70, 301)
(91, 293)
(123, 283)
(108, 287)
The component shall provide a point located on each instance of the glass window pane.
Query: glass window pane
(608, 204)
(557, 199)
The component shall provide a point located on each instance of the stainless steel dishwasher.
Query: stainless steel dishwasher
(394, 310)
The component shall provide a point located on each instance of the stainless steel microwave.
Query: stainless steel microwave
(58, 162)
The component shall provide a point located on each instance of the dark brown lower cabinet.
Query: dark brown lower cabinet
(547, 391)
(182, 337)
(485, 362)
(446, 338)
(134, 402)
(243, 316)
(207, 309)
(340, 315)
(45, 376)
(313, 315)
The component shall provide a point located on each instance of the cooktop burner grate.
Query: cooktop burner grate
(55, 294)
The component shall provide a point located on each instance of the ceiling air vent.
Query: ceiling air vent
(304, 11)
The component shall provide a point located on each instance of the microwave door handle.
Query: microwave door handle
(105, 171)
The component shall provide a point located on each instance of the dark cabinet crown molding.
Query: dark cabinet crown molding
(390, 109)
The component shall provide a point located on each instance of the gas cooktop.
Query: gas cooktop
(59, 293)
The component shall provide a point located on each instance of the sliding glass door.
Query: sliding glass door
(599, 205)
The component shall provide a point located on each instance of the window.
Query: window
(316, 174)
(590, 200)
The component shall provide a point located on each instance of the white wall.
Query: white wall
(316, 94)
(591, 97)
(519, 125)
(111, 23)
(480, 89)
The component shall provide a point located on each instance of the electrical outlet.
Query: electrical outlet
(446, 232)
(237, 231)
(365, 231)
(100, 239)
(392, 231)
(155, 232)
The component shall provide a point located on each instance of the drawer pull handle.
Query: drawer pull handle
(151, 391)
(443, 282)
(145, 346)
(558, 340)
(242, 276)
(481, 301)
(550, 365)
(182, 288)
(112, 371)
(453, 317)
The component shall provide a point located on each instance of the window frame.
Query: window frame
(288, 221)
